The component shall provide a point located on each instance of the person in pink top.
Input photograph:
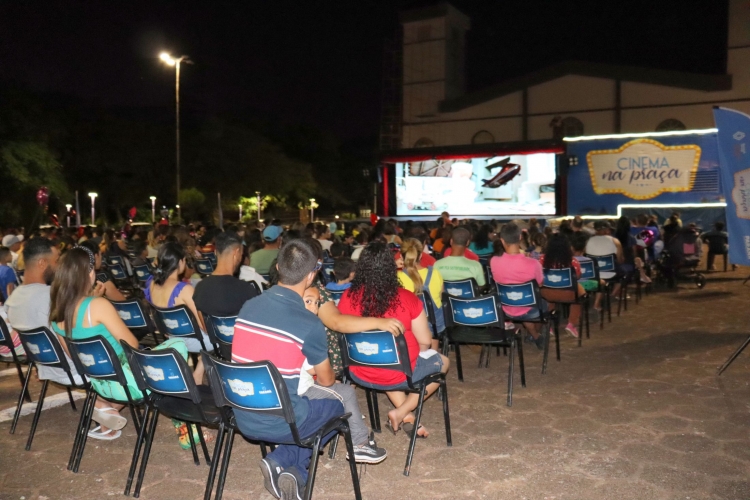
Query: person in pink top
(513, 268)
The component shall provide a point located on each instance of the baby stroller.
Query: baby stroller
(680, 259)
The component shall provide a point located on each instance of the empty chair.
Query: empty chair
(233, 386)
(481, 321)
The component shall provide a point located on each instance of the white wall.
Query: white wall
(571, 92)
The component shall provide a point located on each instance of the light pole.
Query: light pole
(179, 214)
(260, 207)
(171, 61)
(240, 205)
(312, 209)
(68, 206)
(153, 208)
(93, 209)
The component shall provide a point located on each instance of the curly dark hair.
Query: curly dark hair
(375, 285)
(558, 254)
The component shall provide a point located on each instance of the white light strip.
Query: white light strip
(702, 131)
(653, 205)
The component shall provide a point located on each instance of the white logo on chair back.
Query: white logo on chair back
(86, 359)
(172, 324)
(554, 278)
(153, 373)
(33, 348)
(116, 272)
(602, 263)
(473, 312)
(202, 266)
(515, 295)
(456, 292)
(140, 273)
(241, 387)
(226, 330)
(125, 315)
(366, 348)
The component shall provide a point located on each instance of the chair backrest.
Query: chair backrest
(519, 295)
(95, 358)
(589, 270)
(481, 311)
(376, 349)
(255, 387)
(560, 278)
(43, 347)
(178, 321)
(118, 271)
(204, 266)
(134, 314)
(266, 277)
(467, 288)
(142, 273)
(328, 271)
(162, 371)
(211, 256)
(335, 295)
(116, 260)
(255, 286)
(606, 263)
(435, 315)
(5, 338)
(220, 330)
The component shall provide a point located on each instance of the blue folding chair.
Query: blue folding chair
(135, 314)
(481, 321)
(220, 330)
(528, 295)
(204, 267)
(142, 274)
(116, 260)
(42, 348)
(564, 280)
(165, 378)
(95, 358)
(259, 388)
(379, 349)
(210, 256)
(6, 340)
(466, 289)
(336, 296)
(178, 321)
(590, 270)
(328, 272)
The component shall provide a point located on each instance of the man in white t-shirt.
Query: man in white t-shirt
(603, 244)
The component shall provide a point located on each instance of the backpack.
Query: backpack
(435, 315)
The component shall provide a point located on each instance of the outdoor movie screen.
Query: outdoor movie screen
(502, 185)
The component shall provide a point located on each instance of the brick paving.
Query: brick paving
(636, 413)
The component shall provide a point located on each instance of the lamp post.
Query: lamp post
(240, 205)
(93, 209)
(153, 208)
(260, 207)
(171, 61)
(312, 209)
(68, 206)
(179, 214)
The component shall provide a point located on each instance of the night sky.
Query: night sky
(319, 62)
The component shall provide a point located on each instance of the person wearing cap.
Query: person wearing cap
(261, 260)
(603, 244)
(13, 243)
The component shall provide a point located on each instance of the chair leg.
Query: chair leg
(146, 453)
(332, 448)
(352, 462)
(510, 376)
(586, 315)
(263, 450)
(602, 311)
(24, 390)
(137, 451)
(370, 410)
(81, 430)
(446, 413)
(413, 442)
(557, 341)
(459, 366)
(21, 377)
(546, 346)
(609, 308)
(37, 413)
(519, 346)
(192, 443)
(225, 464)
(376, 410)
(482, 353)
(313, 467)
(85, 431)
(215, 461)
(203, 444)
(72, 401)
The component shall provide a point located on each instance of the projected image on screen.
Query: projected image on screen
(502, 185)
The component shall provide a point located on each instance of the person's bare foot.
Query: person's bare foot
(421, 431)
(394, 421)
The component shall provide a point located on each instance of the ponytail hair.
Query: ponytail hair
(411, 250)
(168, 261)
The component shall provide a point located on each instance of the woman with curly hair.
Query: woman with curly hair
(559, 255)
(377, 293)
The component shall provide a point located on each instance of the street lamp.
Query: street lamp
(312, 209)
(179, 214)
(93, 210)
(68, 206)
(240, 205)
(171, 61)
(260, 207)
(153, 208)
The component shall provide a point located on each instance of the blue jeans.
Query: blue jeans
(288, 455)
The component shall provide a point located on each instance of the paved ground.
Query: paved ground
(637, 413)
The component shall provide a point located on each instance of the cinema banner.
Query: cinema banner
(609, 171)
(643, 169)
(734, 154)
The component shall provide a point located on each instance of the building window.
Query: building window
(482, 137)
(424, 142)
(670, 124)
(571, 127)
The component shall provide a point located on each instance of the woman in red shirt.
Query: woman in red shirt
(559, 255)
(376, 292)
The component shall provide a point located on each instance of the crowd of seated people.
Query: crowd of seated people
(289, 312)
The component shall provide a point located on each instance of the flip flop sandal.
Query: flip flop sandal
(388, 426)
(409, 429)
(110, 435)
(109, 417)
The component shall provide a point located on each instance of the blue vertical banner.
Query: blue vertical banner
(734, 158)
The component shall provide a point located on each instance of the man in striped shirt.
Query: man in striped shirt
(277, 327)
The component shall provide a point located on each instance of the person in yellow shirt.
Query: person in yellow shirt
(414, 278)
